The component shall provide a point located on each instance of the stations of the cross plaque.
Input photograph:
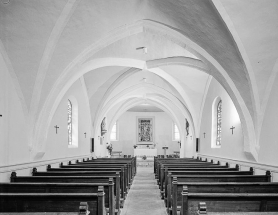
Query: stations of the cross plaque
(232, 129)
(56, 127)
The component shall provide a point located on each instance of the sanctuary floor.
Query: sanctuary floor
(144, 197)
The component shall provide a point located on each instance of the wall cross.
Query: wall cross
(232, 129)
(56, 128)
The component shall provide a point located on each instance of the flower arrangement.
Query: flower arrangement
(144, 157)
(135, 146)
(109, 148)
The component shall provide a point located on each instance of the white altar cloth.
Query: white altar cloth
(147, 152)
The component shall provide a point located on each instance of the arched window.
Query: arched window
(176, 133)
(218, 120)
(72, 122)
(69, 122)
(216, 123)
(114, 132)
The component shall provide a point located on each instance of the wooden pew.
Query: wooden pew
(200, 171)
(202, 209)
(83, 210)
(214, 178)
(123, 181)
(204, 172)
(229, 202)
(125, 173)
(220, 187)
(161, 160)
(162, 167)
(127, 169)
(74, 179)
(166, 169)
(87, 172)
(130, 161)
(64, 188)
(52, 202)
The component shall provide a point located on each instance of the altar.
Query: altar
(146, 151)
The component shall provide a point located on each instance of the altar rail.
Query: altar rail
(244, 165)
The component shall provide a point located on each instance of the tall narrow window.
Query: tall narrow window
(114, 132)
(176, 133)
(218, 120)
(216, 123)
(69, 123)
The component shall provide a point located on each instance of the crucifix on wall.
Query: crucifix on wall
(232, 129)
(56, 128)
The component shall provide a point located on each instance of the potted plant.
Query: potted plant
(144, 157)
(135, 146)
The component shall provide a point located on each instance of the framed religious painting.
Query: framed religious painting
(145, 130)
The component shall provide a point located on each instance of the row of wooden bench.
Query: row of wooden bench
(103, 183)
(185, 182)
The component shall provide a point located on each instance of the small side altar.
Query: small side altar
(145, 151)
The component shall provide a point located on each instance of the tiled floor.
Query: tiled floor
(143, 197)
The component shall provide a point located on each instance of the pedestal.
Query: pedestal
(165, 148)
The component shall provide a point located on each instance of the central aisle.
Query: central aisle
(144, 197)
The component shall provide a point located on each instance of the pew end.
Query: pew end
(34, 170)
(202, 208)
(13, 176)
(268, 175)
(83, 208)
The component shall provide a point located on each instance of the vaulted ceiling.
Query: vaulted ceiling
(48, 45)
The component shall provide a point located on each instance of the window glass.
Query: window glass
(69, 123)
(113, 135)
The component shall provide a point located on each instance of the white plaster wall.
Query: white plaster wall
(162, 132)
(190, 146)
(57, 144)
(231, 145)
(14, 147)
(268, 139)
